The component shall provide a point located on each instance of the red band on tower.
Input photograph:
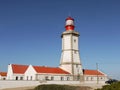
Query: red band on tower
(69, 27)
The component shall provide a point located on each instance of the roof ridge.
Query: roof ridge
(20, 64)
(44, 66)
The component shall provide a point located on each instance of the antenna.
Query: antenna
(97, 73)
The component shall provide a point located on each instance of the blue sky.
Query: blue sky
(30, 32)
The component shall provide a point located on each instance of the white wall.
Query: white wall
(30, 73)
(11, 76)
(75, 42)
(14, 84)
(9, 72)
(2, 77)
(95, 79)
(56, 77)
(78, 70)
(70, 53)
(66, 56)
(66, 41)
(20, 77)
(76, 56)
(67, 67)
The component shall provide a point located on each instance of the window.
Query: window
(27, 77)
(97, 78)
(78, 77)
(77, 66)
(21, 78)
(86, 78)
(91, 78)
(68, 78)
(46, 78)
(31, 78)
(4, 78)
(52, 78)
(74, 40)
(16, 78)
(62, 78)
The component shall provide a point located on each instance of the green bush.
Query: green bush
(55, 87)
(113, 86)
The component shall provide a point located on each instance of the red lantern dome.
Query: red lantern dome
(69, 23)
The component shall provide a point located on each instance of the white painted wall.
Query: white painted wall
(95, 79)
(11, 75)
(30, 73)
(56, 77)
(75, 42)
(66, 67)
(9, 72)
(66, 56)
(19, 76)
(2, 77)
(78, 70)
(70, 53)
(76, 56)
(66, 42)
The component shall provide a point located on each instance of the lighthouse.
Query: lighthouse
(70, 57)
(70, 68)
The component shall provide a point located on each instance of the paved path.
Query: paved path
(20, 88)
(27, 85)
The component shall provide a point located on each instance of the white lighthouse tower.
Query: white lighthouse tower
(70, 58)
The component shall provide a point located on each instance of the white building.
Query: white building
(94, 76)
(70, 64)
(29, 72)
(3, 75)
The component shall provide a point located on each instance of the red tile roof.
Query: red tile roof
(19, 69)
(92, 72)
(54, 70)
(3, 73)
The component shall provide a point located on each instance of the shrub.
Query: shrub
(113, 86)
(55, 87)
